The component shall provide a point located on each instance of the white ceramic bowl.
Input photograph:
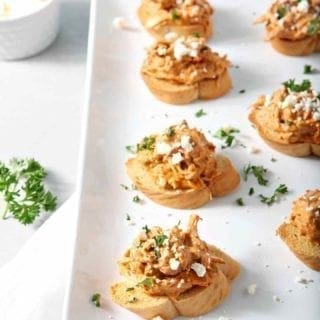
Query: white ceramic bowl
(26, 35)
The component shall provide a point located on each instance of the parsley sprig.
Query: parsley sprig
(95, 299)
(296, 87)
(258, 171)
(314, 26)
(280, 191)
(22, 189)
(227, 135)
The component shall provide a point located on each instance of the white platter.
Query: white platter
(121, 111)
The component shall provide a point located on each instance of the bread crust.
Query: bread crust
(177, 93)
(159, 31)
(224, 183)
(301, 47)
(291, 149)
(305, 250)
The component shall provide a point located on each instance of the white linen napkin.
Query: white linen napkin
(32, 285)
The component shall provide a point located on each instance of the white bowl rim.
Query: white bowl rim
(27, 15)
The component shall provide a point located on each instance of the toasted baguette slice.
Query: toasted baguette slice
(176, 93)
(307, 251)
(198, 301)
(293, 149)
(139, 302)
(302, 47)
(226, 182)
(159, 28)
(231, 268)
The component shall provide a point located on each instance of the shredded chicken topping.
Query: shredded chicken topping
(181, 12)
(171, 261)
(292, 19)
(306, 215)
(180, 158)
(288, 116)
(186, 60)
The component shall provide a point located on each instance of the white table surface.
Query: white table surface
(41, 101)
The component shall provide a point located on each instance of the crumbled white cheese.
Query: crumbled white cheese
(174, 264)
(163, 148)
(199, 269)
(171, 36)
(181, 49)
(253, 150)
(162, 51)
(119, 23)
(186, 143)
(303, 6)
(252, 288)
(176, 158)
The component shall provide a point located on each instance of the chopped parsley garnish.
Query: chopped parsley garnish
(128, 218)
(148, 143)
(240, 202)
(157, 253)
(280, 191)
(226, 134)
(136, 199)
(282, 11)
(196, 34)
(131, 149)
(314, 26)
(200, 113)
(258, 171)
(295, 87)
(242, 91)
(146, 229)
(251, 191)
(170, 132)
(130, 289)
(133, 300)
(147, 282)
(124, 186)
(95, 299)
(23, 191)
(308, 69)
(273, 160)
(160, 239)
(174, 15)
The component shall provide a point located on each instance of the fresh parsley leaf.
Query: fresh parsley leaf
(174, 15)
(95, 299)
(22, 189)
(307, 69)
(242, 91)
(281, 190)
(160, 239)
(130, 289)
(157, 253)
(240, 202)
(314, 26)
(170, 132)
(136, 199)
(295, 87)
(258, 171)
(146, 229)
(226, 134)
(147, 282)
(200, 113)
(148, 143)
(131, 149)
(281, 12)
(251, 191)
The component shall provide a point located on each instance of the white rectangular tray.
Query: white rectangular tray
(120, 111)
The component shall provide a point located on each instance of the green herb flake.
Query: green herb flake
(242, 91)
(148, 143)
(314, 26)
(200, 113)
(240, 202)
(128, 218)
(227, 135)
(258, 171)
(160, 239)
(146, 229)
(196, 34)
(136, 199)
(124, 186)
(95, 299)
(280, 191)
(174, 15)
(133, 300)
(307, 69)
(170, 132)
(129, 289)
(295, 87)
(147, 282)
(251, 191)
(273, 160)
(131, 149)
(281, 12)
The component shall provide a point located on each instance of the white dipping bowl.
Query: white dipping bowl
(26, 35)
